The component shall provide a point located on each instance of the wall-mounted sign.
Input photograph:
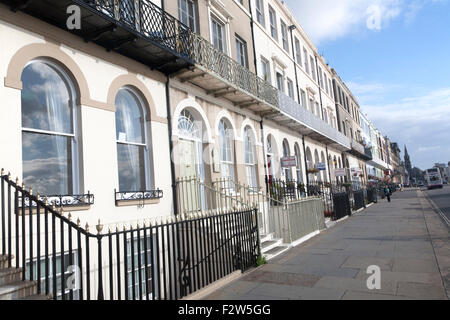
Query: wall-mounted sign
(288, 162)
(356, 170)
(321, 166)
(340, 172)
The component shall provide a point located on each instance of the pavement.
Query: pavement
(405, 238)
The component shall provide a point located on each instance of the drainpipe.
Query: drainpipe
(291, 28)
(306, 160)
(252, 27)
(172, 164)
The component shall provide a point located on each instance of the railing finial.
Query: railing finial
(99, 227)
(9, 176)
(87, 227)
(78, 222)
(2, 172)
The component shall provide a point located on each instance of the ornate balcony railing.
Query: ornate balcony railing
(153, 23)
(146, 19)
(138, 195)
(358, 147)
(293, 109)
(63, 200)
(203, 53)
(368, 152)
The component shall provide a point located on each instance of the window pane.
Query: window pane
(45, 99)
(129, 118)
(131, 167)
(47, 163)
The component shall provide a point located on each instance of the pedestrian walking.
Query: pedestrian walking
(387, 193)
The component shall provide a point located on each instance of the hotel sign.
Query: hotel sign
(288, 162)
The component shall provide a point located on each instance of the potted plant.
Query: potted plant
(328, 213)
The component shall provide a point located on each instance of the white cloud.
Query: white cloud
(420, 122)
(332, 19)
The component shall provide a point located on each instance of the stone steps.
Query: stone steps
(12, 287)
(272, 247)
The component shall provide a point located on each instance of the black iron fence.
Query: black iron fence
(166, 259)
(357, 193)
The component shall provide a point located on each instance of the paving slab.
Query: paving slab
(421, 291)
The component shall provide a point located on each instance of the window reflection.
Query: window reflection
(131, 142)
(48, 140)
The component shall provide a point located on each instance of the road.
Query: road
(441, 198)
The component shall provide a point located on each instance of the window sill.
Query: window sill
(131, 203)
(74, 208)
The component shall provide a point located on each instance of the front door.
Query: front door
(190, 188)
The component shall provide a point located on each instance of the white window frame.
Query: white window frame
(284, 36)
(298, 51)
(303, 98)
(259, 5)
(273, 23)
(219, 22)
(180, 12)
(250, 167)
(290, 87)
(266, 70)
(229, 146)
(146, 144)
(76, 188)
(241, 45)
(140, 268)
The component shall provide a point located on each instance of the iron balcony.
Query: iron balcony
(358, 150)
(298, 118)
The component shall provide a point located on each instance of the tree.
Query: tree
(408, 165)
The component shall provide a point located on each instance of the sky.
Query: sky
(395, 57)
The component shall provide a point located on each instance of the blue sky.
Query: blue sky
(395, 57)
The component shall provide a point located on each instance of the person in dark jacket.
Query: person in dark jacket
(387, 193)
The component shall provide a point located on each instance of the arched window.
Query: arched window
(226, 140)
(316, 162)
(131, 135)
(324, 172)
(272, 155)
(287, 153)
(298, 157)
(250, 157)
(49, 144)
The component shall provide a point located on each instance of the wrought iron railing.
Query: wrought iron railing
(147, 20)
(138, 195)
(144, 19)
(63, 201)
(358, 147)
(215, 61)
(305, 117)
(158, 260)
